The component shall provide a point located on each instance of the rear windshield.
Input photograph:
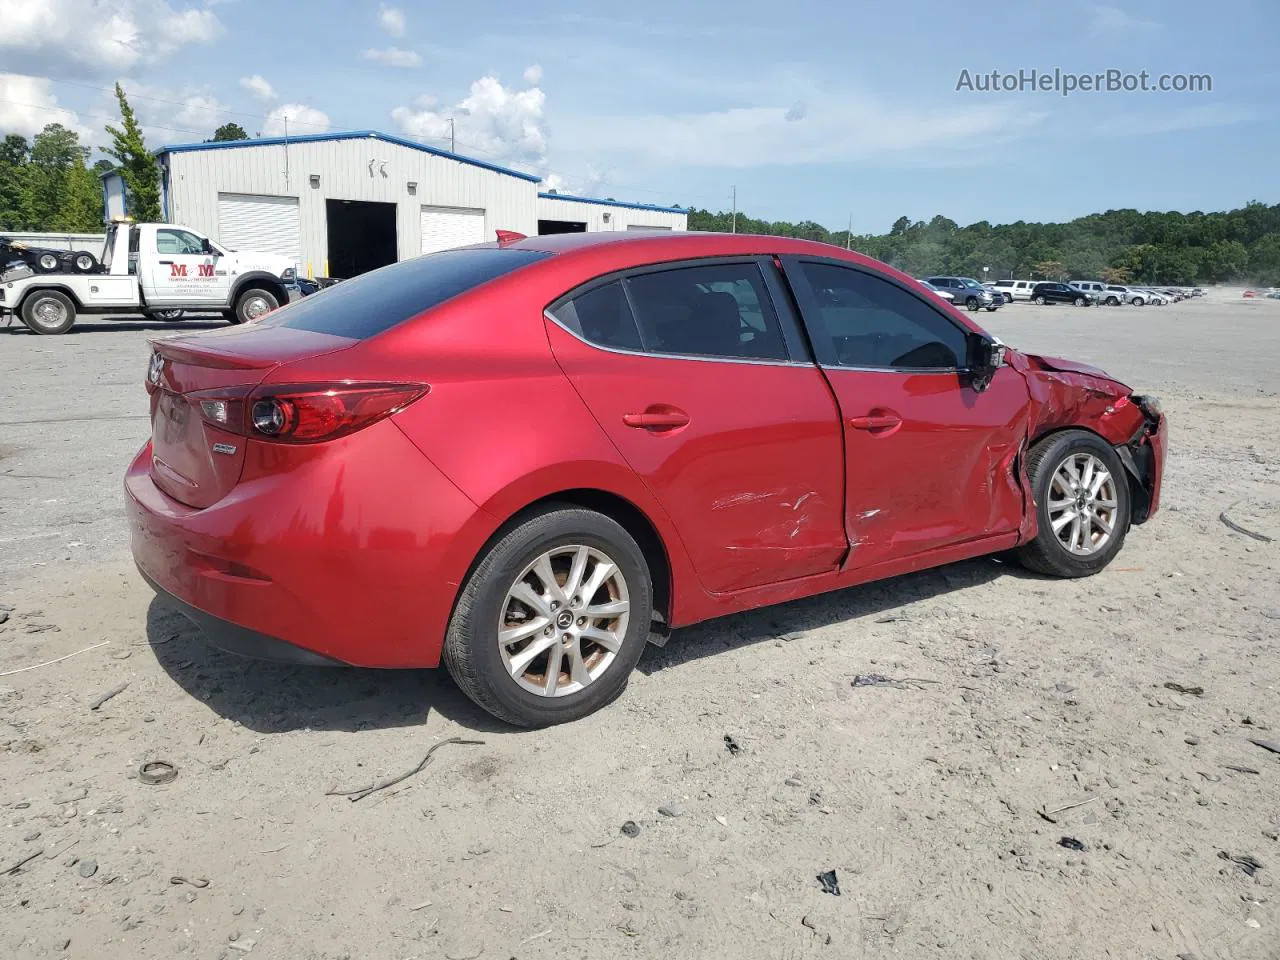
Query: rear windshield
(373, 302)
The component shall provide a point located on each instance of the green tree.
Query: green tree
(229, 131)
(13, 182)
(137, 165)
(55, 152)
(80, 206)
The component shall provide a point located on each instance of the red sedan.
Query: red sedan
(525, 458)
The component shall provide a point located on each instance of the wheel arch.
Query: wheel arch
(616, 507)
(61, 288)
(261, 280)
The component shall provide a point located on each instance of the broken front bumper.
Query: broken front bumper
(1143, 458)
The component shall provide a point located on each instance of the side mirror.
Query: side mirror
(207, 249)
(986, 356)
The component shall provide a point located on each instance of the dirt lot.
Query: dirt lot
(925, 797)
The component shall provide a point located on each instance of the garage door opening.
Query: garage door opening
(548, 227)
(362, 236)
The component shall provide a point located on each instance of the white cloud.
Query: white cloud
(819, 127)
(169, 115)
(493, 122)
(533, 75)
(393, 57)
(89, 37)
(1118, 24)
(1189, 118)
(258, 86)
(391, 19)
(302, 120)
(27, 104)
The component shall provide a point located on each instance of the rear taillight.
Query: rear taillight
(304, 413)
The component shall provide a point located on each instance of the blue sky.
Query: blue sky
(813, 110)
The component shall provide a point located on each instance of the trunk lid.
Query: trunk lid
(195, 461)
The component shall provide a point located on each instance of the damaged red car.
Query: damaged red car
(525, 459)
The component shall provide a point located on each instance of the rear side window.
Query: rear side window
(874, 323)
(712, 310)
(374, 302)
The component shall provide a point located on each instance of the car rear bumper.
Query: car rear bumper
(349, 551)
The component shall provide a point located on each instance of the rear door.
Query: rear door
(930, 461)
(699, 375)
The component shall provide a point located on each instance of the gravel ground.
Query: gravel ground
(932, 799)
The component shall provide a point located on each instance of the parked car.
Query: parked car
(1095, 288)
(944, 294)
(1012, 290)
(1054, 292)
(1113, 295)
(321, 484)
(967, 291)
(1152, 296)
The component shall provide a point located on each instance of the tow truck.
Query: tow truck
(159, 270)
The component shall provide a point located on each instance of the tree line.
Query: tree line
(1119, 246)
(47, 185)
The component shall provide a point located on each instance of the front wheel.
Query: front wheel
(49, 312)
(253, 304)
(1040, 301)
(1079, 301)
(1136, 301)
(1081, 495)
(552, 620)
(972, 304)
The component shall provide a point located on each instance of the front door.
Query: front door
(181, 273)
(931, 461)
(709, 396)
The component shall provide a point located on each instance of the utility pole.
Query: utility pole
(735, 210)
(848, 237)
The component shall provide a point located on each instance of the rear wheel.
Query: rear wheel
(168, 316)
(1113, 302)
(1081, 495)
(552, 620)
(254, 303)
(49, 311)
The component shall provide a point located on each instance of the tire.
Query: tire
(1040, 301)
(48, 312)
(169, 316)
(1079, 301)
(479, 664)
(1008, 298)
(250, 302)
(991, 309)
(972, 304)
(1047, 553)
(84, 262)
(1113, 302)
(1136, 301)
(46, 263)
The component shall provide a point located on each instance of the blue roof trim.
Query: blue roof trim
(613, 203)
(347, 135)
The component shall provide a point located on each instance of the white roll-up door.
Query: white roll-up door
(260, 224)
(444, 228)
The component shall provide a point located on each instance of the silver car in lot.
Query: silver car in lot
(967, 291)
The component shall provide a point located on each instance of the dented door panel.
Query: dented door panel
(946, 475)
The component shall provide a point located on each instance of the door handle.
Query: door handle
(167, 263)
(656, 421)
(882, 421)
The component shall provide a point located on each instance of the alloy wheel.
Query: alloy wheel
(563, 620)
(1083, 504)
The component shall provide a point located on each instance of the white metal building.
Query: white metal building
(342, 203)
(561, 213)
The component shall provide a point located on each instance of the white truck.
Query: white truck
(158, 270)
